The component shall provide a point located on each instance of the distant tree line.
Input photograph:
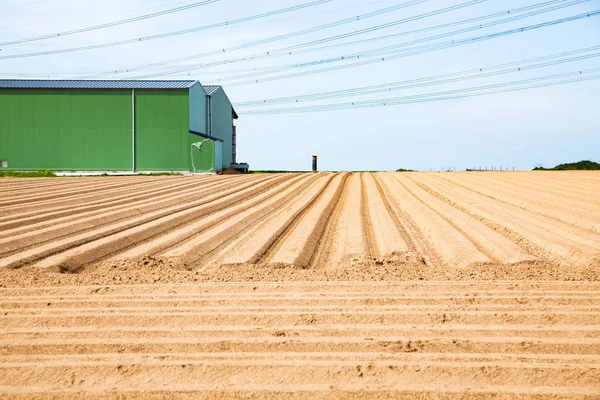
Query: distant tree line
(581, 165)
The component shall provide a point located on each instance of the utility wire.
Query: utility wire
(428, 81)
(23, 5)
(109, 24)
(447, 25)
(168, 34)
(575, 76)
(278, 52)
(423, 49)
(405, 20)
(268, 40)
(332, 38)
(387, 50)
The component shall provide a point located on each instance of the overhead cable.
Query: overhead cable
(167, 34)
(109, 24)
(432, 80)
(418, 50)
(570, 77)
(267, 40)
(390, 50)
(279, 53)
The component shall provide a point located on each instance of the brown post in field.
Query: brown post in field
(314, 163)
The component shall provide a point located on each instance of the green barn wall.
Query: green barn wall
(222, 124)
(162, 138)
(78, 130)
(65, 129)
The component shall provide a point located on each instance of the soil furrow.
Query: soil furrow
(548, 238)
(488, 241)
(328, 285)
(557, 208)
(55, 246)
(71, 223)
(147, 192)
(258, 247)
(149, 226)
(298, 247)
(207, 236)
(452, 248)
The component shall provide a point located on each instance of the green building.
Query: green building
(69, 125)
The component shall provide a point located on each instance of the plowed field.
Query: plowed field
(347, 285)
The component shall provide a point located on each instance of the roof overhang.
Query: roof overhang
(94, 84)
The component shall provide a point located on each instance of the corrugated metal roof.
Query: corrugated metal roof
(89, 84)
(211, 89)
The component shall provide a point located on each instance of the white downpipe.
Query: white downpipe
(133, 130)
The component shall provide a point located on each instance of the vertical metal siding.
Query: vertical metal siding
(222, 125)
(65, 129)
(92, 130)
(162, 130)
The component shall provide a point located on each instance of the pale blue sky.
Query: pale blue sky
(547, 125)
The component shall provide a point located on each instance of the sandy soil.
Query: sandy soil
(478, 285)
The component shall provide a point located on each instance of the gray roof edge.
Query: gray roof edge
(214, 89)
(201, 86)
(94, 84)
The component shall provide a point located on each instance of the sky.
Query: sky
(541, 126)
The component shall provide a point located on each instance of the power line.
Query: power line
(415, 50)
(332, 38)
(24, 5)
(167, 34)
(109, 24)
(447, 25)
(278, 52)
(410, 19)
(267, 40)
(575, 76)
(428, 81)
(381, 51)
